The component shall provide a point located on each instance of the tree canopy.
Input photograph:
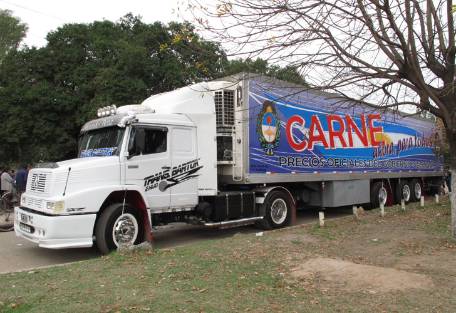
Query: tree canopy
(47, 94)
(13, 31)
(260, 66)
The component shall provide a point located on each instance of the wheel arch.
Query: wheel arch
(262, 193)
(136, 200)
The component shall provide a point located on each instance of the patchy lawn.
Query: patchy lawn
(404, 262)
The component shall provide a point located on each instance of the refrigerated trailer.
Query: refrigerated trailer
(246, 149)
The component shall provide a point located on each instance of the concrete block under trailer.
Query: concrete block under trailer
(221, 154)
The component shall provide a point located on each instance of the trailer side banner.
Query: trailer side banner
(291, 130)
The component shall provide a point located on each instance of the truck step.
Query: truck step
(233, 223)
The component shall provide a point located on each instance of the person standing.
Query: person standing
(21, 179)
(448, 180)
(7, 181)
(1, 172)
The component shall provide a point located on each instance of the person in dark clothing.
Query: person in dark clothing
(21, 178)
(448, 180)
(1, 173)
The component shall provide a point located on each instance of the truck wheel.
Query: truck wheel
(379, 194)
(278, 206)
(118, 225)
(403, 191)
(416, 190)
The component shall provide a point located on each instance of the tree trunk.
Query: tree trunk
(452, 162)
(453, 200)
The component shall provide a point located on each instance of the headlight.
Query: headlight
(56, 207)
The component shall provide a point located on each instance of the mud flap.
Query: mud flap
(293, 214)
(147, 226)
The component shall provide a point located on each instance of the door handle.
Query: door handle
(133, 166)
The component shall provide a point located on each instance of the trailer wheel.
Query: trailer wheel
(379, 194)
(118, 225)
(403, 191)
(416, 190)
(278, 206)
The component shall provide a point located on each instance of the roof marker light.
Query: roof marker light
(106, 111)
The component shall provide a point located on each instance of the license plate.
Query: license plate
(26, 228)
(25, 218)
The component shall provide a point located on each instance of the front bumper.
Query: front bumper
(54, 231)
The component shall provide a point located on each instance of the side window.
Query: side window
(147, 141)
(154, 141)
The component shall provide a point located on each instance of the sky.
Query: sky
(43, 16)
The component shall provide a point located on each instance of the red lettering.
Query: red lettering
(374, 129)
(295, 120)
(313, 138)
(336, 133)
(351, 125)
(317, 135)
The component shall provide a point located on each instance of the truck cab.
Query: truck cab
(151, 162)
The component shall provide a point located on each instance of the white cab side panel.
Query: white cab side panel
(207, 153)
(185, 167)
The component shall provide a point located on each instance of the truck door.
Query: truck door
(149, 164)
(185, 168)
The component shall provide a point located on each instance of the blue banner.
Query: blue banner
(305, 132)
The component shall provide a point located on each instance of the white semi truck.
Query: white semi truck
(242, 150)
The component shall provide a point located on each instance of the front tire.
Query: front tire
(118, 225)
(278, 210)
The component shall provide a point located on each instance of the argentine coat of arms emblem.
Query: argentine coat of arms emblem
(268, 127)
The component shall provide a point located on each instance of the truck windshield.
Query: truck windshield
(101, 142)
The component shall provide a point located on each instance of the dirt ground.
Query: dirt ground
(350, 276)
(408, 253)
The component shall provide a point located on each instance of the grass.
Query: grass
(196, 278)
(246, 273)
(328, 232)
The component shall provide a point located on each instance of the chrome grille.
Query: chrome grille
(32, 203)
(38, 182)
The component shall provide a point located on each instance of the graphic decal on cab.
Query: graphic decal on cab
(172, 176)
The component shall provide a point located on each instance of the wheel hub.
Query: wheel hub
(382, 195)
(278, 211)
(125, 230)
(406, 193)
(417, 191)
